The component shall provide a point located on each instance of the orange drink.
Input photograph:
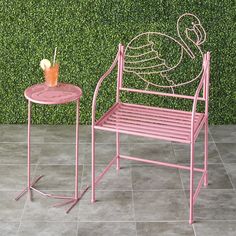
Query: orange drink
(51, 75)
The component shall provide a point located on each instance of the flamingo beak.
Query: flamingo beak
(201, 34)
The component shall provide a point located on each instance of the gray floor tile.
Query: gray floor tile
(227, 152)
(57, 177)
(18, 133)
(224, 133)
(215, 205)
(182, 153)
(157, 152)
(47, 228)
(110, 206)
(215, 228)
(41, 209)
(16, 153)
(150, 195)
(110, 137)
(52, 154)
(11, 210)
(155, 178)
(106, 137)
(201, 136)
(140, 139)
(163, 205)
(231, 170)
(112, 180)
(217, 177)
(106, 228)
(9, 228)
(64, 134)
(104, 153)
(14, 177)
(164, 229)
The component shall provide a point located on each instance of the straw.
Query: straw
(55, 54)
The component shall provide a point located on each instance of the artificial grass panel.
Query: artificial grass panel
(87, 34)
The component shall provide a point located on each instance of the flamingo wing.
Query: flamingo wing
(147, 54)
(141, 56)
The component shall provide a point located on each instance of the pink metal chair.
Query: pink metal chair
(142, 59)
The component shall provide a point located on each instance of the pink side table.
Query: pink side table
(42, 94)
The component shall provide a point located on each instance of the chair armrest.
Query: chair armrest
(204, 83)
(98, 86)
(195, 100)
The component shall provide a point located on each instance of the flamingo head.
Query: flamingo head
(193, 29)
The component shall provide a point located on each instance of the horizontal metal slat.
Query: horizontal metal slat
(158, 118)
(147, 123)
(137, 129)
(155, 136)
(155, 108)
(158, 112)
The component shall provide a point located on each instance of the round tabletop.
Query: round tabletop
(62, 93)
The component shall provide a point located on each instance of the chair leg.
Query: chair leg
(117, 151)
(206, 154)
(191, 209)
(93, 165)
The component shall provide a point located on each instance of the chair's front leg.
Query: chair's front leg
(117, 150)
(93, 165)
(191, 203)
(206, 154)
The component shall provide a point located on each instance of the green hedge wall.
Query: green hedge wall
(87, 34)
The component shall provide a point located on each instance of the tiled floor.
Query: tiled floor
(140, 200)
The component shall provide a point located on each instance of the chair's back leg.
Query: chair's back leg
(93, 165)
(119, 85)
(206, 154)
(191, 203)
(206, 96)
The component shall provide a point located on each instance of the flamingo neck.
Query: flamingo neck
(184, 44)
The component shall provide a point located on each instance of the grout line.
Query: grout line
(194, 230)
(26, 200)
(47, 143)
(132, 192)
(82, 182)
(129, 190)
(225, 167)
(23, 211)
(88, 143)
(123, 190)
(183, 188)
(145, 221)
(73, 143)
(17, 164)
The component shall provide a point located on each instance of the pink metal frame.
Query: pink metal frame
(73, 200)
(160, 123)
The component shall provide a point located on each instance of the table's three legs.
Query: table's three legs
(30, 185)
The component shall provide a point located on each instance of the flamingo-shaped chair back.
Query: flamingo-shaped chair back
(155, 57)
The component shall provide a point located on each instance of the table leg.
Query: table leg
(77, 149)
(77, 196)
(28, 152)
(29, 184)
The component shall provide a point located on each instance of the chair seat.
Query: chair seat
(153, 122)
